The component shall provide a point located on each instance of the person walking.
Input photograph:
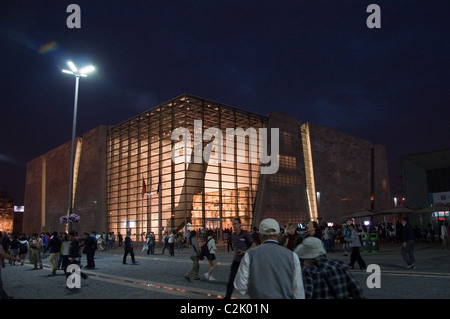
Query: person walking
(23, 248)
(180, 239)
(54, 247)
(229, 241)
(151, 243)
(194, 250)
(65, 249)
(355, 244)
(3, 256)
(6, 243)
(74, 255)
(345, 239)
(165, 242)
(171, 242)
(242, 241)
(120, 238)
(211, 243)
(444, 235)
(128, 247)
(112, 244)
(270, 271)
(325, 278)
(289, 239)
(408, 243)
(14, 249)
(90, 245)
(327, 238)
(36, 245)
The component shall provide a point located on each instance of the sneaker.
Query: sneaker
(211, 278)
(206, 275)
(412, 266)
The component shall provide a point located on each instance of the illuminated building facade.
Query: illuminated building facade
(192, 195)
(6, 212)
(191, 163)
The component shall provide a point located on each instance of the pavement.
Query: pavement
(161, 277)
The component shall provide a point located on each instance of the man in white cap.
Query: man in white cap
(325, 278)
(270, 271)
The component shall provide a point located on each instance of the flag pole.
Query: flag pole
(144, 192)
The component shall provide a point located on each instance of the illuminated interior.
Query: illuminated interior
(6, 213)
(191, 195)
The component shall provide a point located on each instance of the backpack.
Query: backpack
(247, 241)
(204, 251)
(23, 247)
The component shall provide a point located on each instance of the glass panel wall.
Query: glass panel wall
(203, 192)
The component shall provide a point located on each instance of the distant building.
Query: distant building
(126, 178)
(426, 178)
(6, 212)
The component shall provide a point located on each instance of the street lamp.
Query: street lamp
(83, 72)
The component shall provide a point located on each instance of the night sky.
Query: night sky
(316, 60)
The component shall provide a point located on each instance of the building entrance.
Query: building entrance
(214, 224)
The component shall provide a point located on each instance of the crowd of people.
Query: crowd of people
(307, 273)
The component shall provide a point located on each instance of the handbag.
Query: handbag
(204, 251)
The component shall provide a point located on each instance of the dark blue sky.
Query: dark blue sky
(315, 60)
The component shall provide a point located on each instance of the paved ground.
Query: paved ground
(162, 277)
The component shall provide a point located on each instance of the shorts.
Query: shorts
(211, 257)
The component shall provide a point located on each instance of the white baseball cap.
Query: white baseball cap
(269, 226)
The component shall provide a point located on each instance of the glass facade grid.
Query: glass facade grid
(180, 196)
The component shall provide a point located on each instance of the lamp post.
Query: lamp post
(83, 72)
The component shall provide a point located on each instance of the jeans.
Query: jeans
(356, 257)
(408, 252)
(233, 272)
(131, 252)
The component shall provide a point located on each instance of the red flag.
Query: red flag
(144, 187)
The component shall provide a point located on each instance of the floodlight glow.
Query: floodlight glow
(87, 69)
(83, 72)
(72, 66)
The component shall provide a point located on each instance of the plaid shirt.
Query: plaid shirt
(330, 279)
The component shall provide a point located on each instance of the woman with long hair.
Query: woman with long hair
(211, 242)
(313, 230)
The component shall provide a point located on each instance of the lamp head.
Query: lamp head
(83, 72)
